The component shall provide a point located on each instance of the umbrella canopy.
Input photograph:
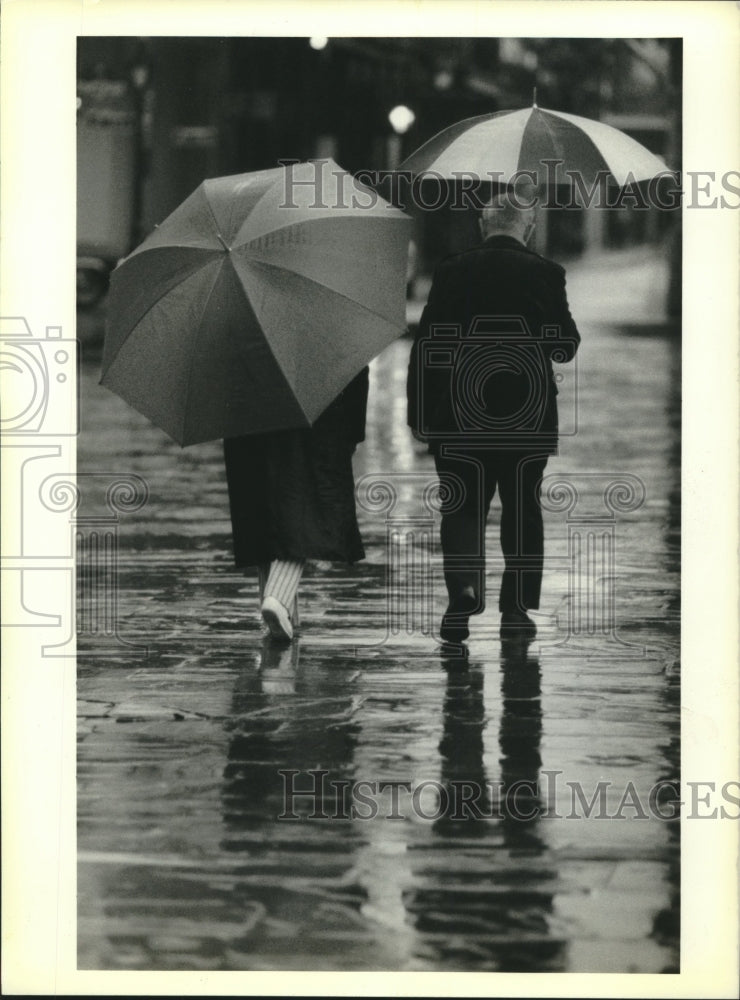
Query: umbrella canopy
(256, 301)
(507, 142)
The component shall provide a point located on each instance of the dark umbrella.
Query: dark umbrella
(256, 301)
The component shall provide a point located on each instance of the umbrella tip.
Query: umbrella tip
(534, 97)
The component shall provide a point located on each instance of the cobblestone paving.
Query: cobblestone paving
(187, 714)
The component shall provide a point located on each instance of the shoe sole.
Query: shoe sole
(517, 632)
(275, 626)
(454, 627)
(454, 639)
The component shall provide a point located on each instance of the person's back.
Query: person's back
(481, 392)
(500, 276)
(499, 294)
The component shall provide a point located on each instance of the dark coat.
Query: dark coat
(292, 493)
(481, 365)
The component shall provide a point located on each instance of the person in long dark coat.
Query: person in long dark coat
(482, 393)
(292, 498)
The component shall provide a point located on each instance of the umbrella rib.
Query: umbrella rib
(582, 132)
(274, 228)
(151, 305)
(192, 353)
(304, 277)
(253, 209)
(213, 216)
(557, 145)
(192, 356)
(450, 133)
(171, 244)
(395, 214)
(602, 156)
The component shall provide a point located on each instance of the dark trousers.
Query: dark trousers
(469, 480)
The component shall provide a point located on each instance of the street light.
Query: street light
(444, 79)
(401, 118)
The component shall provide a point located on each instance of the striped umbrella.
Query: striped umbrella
(498, 146)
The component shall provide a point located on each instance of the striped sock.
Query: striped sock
(282, 583)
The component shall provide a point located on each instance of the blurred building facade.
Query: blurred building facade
(158, 115)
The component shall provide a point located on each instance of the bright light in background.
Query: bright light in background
(318, 42)
(401, 118)
(139, 76)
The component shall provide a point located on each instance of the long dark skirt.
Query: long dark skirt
(292, 493)
(292, 496)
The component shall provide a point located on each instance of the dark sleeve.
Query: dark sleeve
(354, 400)
(568, 339)
(440, 308)
(346, 413)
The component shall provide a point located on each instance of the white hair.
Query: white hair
(505, 214)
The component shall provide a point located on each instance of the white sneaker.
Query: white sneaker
(277, 619)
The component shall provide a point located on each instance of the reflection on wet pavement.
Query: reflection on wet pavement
(439, 812)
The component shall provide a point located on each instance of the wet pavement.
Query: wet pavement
(448, 824)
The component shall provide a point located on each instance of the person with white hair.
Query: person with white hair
(482, 394)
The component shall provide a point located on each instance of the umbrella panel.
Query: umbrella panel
(204, 371)
(234, 198)
(623, 156)
(364, 262)
(315, 192)
(191, 224)
(483, 149)
(547, 137)
(427, 153)
(138, 284)
(297, 315)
